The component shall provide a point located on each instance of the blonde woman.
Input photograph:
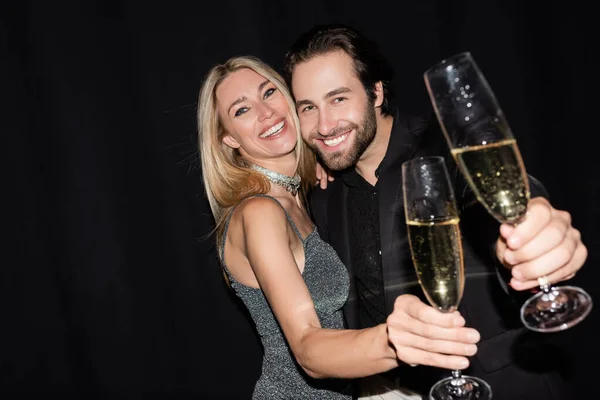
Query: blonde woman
(257, 172)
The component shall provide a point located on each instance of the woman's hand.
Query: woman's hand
(323, 176)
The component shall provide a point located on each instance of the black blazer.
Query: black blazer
(488, 304)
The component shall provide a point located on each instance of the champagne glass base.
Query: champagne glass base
(462, 388)
(557, 309)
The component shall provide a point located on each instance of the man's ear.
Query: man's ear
(231, 142)
(378, 94)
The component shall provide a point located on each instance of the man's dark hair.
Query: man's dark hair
(370, 64)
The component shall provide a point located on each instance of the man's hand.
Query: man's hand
(423, 335)
(545, 244)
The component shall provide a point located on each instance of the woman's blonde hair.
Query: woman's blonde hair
(226, 175)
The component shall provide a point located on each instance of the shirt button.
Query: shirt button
(379, 252)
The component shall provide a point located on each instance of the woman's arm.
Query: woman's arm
(320, 352)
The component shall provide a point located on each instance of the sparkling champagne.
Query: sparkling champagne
(496, 174)
(437, 254)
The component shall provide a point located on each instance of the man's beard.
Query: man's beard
(364, 132)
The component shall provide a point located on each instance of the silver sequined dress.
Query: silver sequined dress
(328, 283)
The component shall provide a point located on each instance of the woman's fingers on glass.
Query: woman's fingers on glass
(424, 313)
(458, 348)
(438, 327)
(432, 331)
(457, 334)
(411, 355)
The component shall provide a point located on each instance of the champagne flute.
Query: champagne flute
(486, 152)
(436, 247)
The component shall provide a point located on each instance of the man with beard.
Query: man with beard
(341, 85)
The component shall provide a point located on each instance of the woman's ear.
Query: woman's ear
(231, 142)
(378, 94)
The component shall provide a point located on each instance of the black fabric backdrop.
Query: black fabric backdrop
(107, 289)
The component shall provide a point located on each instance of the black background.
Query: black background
(107, 287)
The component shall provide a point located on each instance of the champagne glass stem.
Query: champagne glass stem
(458, 383)
(457, 374)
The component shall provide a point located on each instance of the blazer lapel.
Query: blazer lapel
(394, 261)
(337, 225)
(397, 268)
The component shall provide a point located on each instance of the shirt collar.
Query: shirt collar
(404, 139)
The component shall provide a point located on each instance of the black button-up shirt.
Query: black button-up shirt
(363, 209)
(364, 219)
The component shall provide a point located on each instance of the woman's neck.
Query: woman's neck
(283, 165)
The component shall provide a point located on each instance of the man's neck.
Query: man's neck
(372, 157)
